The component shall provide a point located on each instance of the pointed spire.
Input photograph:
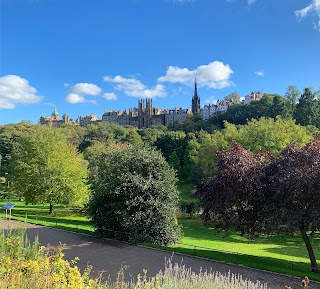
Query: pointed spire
(195, 88)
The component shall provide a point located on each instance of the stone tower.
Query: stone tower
(195, 100)
(141, 112)
(148, 114)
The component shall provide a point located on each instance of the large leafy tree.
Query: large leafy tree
(174, 142)
(134, 192)
(45, 168)
(251, 192)
(230, 198)
(308, 109)
(271, 135)
(291, 95)
(291, 184)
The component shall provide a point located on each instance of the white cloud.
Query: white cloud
(134, 87)
(314, 6)
(85, 89)
(77, 93)
(259, 73)
(15, 90)
(251, 2)
(213, 75)
(110, 96)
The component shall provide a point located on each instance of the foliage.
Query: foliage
(308, 109)
(151, 134)
(230, 198)
(241, 114)
(172, 142)
(272, 135)
(135, 192)
(273, 252)
(8, 135)
(252, 192)
(291, 184)
(106, 133)
(179, 277)
(189, 208)
(26, 265)
(96, 150)
(29, 265)
(291, 96)
(45, 168)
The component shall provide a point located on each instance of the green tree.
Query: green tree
(291, 96)
(134, 192)
(45, 168)
(308, 109)
(173, 141)
(272, 135)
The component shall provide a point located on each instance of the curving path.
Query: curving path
(109, 256)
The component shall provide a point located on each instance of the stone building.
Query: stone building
(88, 119)
(143, 116)
(54, 120)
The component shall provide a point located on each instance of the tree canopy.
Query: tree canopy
(134, 192)
(254, 192)
(45, 168)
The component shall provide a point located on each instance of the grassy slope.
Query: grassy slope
(273, 253)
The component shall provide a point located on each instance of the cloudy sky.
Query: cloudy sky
(86, 56)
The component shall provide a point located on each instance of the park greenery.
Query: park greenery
(134, 191)
(45, 168)
(255, 168)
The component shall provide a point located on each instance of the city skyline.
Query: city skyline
(85, 57)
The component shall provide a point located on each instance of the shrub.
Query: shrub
(29, 265)
(135, 197)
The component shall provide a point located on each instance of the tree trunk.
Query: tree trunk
(51, 208)
(312, 257)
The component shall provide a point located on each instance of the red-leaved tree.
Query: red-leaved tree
(291, 185)
(231, 198)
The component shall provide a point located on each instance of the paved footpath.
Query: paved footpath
(109, 256)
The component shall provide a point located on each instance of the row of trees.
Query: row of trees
(125, 187)
(189, 153)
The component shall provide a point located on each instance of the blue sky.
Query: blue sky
(85, 56)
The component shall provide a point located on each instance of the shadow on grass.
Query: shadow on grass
(258, 262)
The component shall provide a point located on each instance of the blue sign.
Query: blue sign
(8, 206)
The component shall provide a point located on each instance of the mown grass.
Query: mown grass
(63, 217)
(280, 253)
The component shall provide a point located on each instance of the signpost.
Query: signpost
(8, 207)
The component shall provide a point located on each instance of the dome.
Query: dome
(55, 112)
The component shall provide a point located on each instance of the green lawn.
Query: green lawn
(275, 253)
(63, 217)
(282, 254)
(185, 190)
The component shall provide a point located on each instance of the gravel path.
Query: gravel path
(108, 256)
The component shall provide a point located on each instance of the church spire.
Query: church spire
(195, 88)
(195, 100)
